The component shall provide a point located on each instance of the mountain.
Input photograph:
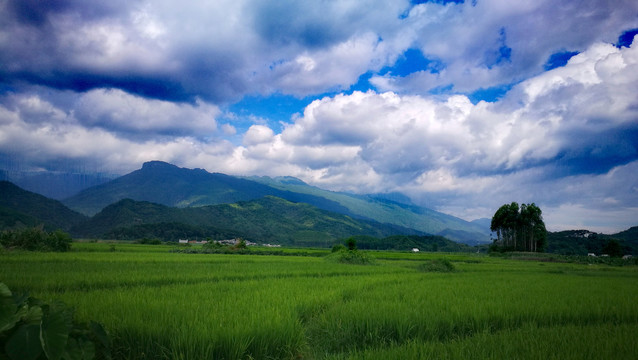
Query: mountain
(582, 242)
(630, 236)
(169, 185)
(19, 207)
(392, 209)
(268, 219)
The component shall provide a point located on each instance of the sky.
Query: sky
(462, 105)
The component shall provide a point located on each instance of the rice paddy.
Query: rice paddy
(157, 304)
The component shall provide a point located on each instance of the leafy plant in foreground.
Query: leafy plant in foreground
(31, 330)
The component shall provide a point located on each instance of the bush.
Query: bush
(240, 244)
(437, 265)
(30, 330)
(338, 247)
(35, 239)
(351, 257)
(148, 241)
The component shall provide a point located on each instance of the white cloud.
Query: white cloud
(119, 111)
(467, 38)
(258, 134)
(537, 145)
(222, 50)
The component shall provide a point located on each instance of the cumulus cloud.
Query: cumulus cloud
(592, 97)
(114, 111)
(553, 137)
(109, 127)
(220, 51)
(122, 112)
(491, 42)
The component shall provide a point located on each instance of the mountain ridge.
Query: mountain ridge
(23, 207)
(169, 185)
(268, 219)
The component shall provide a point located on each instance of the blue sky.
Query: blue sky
(461, 105)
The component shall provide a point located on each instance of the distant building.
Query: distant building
(415, 250)
(183, 241)
(627, 257)
(591, 254)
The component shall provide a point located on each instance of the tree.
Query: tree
(519, 228)
(612, 248)
(351, 243)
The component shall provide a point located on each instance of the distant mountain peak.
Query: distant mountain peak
(157, 164)
(290, 180)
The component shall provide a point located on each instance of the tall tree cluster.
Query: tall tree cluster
(519, 228)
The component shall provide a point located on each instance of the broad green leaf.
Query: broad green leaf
(100, 334)
(9, 319)
(79, 350)
(54, 331)
(4, 290)
(7, 309)
(33, 315)
(24, 344)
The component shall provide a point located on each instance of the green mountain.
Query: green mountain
(630, 236)
(269, 219)
(169, 185)
(394, 209)
(582, 242)
(19, 208)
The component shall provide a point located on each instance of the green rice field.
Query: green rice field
(157, 304)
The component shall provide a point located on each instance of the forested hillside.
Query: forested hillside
(269, 219)
(583, 242)
(19, 207)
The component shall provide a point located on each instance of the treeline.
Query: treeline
(408, 242)
(169, 231)
(35, 239)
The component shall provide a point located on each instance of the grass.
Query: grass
(158, 304)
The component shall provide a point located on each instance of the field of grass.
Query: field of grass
(161, 304)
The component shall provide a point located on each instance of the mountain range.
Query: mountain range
(169, 185)
(164, 201)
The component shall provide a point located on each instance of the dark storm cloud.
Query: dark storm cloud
(180, 53)
(295, 22)
(36, 12)
(80, 45)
